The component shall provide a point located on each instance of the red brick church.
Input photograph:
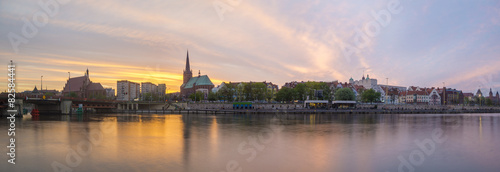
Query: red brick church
(192, 84)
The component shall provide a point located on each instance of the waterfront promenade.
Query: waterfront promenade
(221, 108)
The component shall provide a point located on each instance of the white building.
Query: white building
(365, 82)
(127, 91)
(148, 87)
(434, 98)
(368, 83)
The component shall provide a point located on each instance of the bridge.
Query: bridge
(67, 105)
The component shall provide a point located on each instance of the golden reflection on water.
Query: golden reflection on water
(207, 143)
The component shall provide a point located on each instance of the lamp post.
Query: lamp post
(41, 84)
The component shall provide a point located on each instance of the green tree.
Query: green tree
(72, 94)
(247, 91)
(345, 94)
(301, 91)
(227, 92)
(258, 91)
(196, 96)
(212, 96)
(147, 97)
(270, 94)
(370, 96)
(285, 94)
(489, 102)
(466, 101)
(49, 94)
(327, 91)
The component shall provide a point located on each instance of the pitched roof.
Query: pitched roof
(75, 83)
(468, 95)
(35, 90)
(199, 80)
(95, 86)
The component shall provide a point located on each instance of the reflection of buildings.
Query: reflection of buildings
(192, 84)
(84, 88)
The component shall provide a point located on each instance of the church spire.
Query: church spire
(188, 68)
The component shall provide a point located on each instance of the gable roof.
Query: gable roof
(75, 83)
(199, 80)
(95, 86)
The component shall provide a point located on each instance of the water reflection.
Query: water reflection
(135, 142)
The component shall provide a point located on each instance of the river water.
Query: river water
(199, 142)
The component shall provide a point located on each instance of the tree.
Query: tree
(227, 92)
(466, 101)
(370, 96)
(269, 94)
(258, 90)
(196, 96)
(49, 94)
(301, 91)
(72, 94)
(345, 94)
(489, 102)
(327, 92)
(247, 91)
(212, 96)
(285, 94)
(147, 97)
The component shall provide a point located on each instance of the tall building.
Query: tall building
(192, 84)
(127, 91)
(148, 87)
(162, 88)
(83, 87)
(188, 73)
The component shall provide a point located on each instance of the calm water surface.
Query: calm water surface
(345, 143)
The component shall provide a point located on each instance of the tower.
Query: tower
(491, 93)
(188, 73)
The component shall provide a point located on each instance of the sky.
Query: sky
(412, 43)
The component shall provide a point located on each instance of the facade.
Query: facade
(369, 83)
(479, 93)
(148, 87)
(495, 99)
(83, 87)
(451, 96)
(434, 98)
(110, 93)
(162, 88)
(365, 82)
(127, 90)
(190, 84)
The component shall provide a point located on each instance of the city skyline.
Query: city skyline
(423, 44)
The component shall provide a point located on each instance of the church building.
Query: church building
(192, 84)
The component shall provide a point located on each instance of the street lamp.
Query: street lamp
(41, 84)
